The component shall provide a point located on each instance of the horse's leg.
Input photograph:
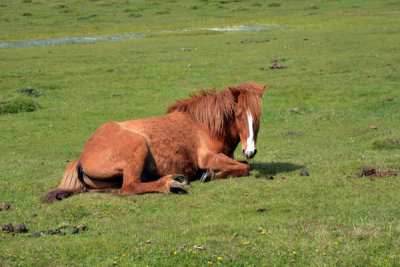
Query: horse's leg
(132, 183)
(224, 166)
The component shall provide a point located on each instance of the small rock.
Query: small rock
(20, 228)
(7, 228)
(261, 209)
(4, 206)
(81, 226)
(148, 242)
(199, 247)
(75, 231)
(63, 225)
(35, 234)
(34, 214)
(304, 173)
(54, 232)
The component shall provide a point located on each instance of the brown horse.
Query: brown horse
(199, 135)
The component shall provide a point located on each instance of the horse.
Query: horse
(197, 138)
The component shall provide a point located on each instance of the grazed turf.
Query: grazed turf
(342, 67)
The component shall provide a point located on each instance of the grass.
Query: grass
(342, 67)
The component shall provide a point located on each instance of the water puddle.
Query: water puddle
(98, 39)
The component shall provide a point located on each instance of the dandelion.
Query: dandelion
(262, 232)
(123, 255)
(316, 250)
(194, 252)
(246, 243)
(174, 252)
(294, 252)
(209, 262)
(336, 243)
(219, 258)
(324, 254)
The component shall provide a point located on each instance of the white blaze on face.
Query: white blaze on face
(250, 140)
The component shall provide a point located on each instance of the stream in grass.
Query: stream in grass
(98, 39)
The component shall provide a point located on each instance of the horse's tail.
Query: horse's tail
(70, 185)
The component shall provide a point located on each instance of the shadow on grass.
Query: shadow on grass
(273, 168)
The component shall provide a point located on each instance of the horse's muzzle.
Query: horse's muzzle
(249, 154)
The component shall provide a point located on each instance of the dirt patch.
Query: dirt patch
(274, 65)
(253, 41)
(372, 173)
(9, 228)
(4, 206)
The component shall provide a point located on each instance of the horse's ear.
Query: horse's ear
(263, 89)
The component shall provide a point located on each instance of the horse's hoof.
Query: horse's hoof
(207, 176)
(181, 179)
(177, 188)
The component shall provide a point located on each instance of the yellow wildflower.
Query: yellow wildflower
(174, 252)
(209, 262)
(246, 243)
(219, 258)
(123, 255)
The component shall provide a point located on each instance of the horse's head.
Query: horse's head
(247, 115)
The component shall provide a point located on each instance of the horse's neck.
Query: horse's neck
(231, 139)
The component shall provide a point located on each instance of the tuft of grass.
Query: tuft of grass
(17, 104)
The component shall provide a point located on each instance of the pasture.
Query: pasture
(332, 109)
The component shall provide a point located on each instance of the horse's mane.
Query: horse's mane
(214, 110)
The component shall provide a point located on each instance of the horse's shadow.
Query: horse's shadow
(273, 168)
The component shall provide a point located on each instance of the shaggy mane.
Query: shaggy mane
(214, 110)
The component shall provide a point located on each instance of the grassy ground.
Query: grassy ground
(342, 67)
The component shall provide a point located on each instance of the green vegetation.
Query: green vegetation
(341, 77)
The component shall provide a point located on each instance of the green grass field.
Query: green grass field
(342, 77)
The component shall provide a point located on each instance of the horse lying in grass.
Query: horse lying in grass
(161, 154)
